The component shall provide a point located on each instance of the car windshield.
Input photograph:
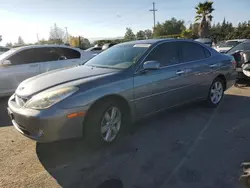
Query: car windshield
(118, 57)
(6, 54)
(241, 46)
(228, 44)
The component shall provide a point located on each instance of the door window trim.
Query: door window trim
(137, 70)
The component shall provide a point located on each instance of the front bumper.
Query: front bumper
(46, 125)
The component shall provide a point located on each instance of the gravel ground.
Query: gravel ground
(190, 146)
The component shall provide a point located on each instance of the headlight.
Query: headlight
(46, 99)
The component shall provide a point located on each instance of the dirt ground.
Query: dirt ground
(190, 146)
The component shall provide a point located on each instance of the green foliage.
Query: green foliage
(168, 36)
(204, 16)
(129, 35)
(140, 35)
(102, 42)
(226, 31)
(20, 41)
(79, 42)
(169, 27)
(148, 34)
(56, 34)
(9, 44)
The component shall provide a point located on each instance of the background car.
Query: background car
(122, 84)
(224, 46)
(3, 49)
(21, 63)
(206, 41)
(241, 53)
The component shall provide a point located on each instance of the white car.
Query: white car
(224, 46)
(21, 63)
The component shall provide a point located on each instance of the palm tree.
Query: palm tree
(204, 11)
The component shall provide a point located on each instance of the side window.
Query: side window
(23, 57)
(192, 52)
(68, 53)
(46, 54)
(207, 53)
(165, 54)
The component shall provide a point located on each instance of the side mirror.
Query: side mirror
(6, 62)
(151, 65)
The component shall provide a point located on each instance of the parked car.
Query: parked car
(122, 84)
(21, 63)
(206, 41)
(224, 46)
(241, 53)
(96, 49)
(108, 45)
(3, 49)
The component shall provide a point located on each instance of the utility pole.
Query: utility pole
(37, 36)
(66, 30)
(153, 10)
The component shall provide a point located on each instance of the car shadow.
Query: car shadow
(4, 118)
(188, 146)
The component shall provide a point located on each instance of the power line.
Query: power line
(153, 10)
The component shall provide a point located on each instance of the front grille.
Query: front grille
(20, 101)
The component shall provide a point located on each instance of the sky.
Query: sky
(102, 18)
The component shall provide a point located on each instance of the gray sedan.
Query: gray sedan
(122, 84)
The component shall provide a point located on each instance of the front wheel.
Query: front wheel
(216, 92)
(104, 123)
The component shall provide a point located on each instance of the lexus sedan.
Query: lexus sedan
(124, 83)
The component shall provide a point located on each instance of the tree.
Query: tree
(79, 42)
(20, 41)
(188, 34)
(148, 34)
(169, 27)
(129, 35)
(56, 34)
(204, 15)
(9, 44)
(140, 35)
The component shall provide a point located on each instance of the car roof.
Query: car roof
(154, 41)
(239, 40)
(43, 46)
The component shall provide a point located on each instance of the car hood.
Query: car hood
(61, 76)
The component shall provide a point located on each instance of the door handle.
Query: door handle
(180, 72)
(213, 65)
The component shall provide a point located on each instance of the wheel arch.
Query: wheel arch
(114, 97)
(222, 77)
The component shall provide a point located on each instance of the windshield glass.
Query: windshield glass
(6, 54)
(241, 46)
(119, 57)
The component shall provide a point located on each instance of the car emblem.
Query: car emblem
(21, 88)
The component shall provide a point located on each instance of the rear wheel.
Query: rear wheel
(216, 92)
(104, 123)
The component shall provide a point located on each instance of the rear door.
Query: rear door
(195, 59)
(59, 57)
(24, 64)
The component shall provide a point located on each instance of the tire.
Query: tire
(216, 93)
(97, 127)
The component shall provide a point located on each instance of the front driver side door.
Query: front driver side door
(156, 90)
(23, 65)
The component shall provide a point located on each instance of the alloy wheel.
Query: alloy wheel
(216, 92)
(111, 124)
